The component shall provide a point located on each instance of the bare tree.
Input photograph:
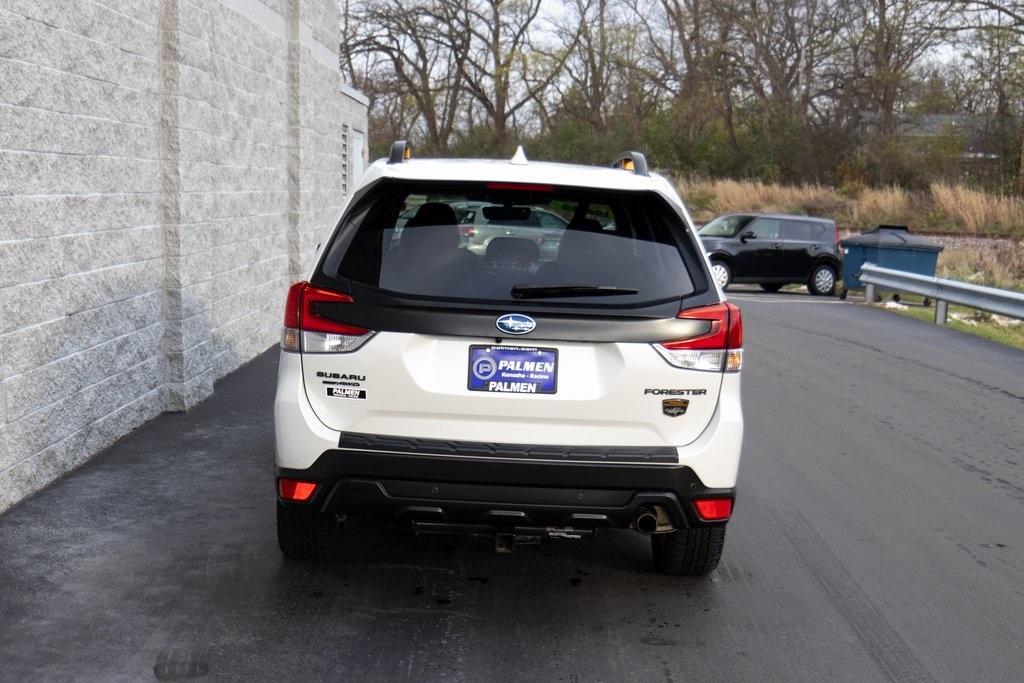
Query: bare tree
(424, 55)
(797, 89)
(586, 90)
(679, 35)
(779, 47)
(506, 68)
(988, 19)
(982, 14)
(896, 33)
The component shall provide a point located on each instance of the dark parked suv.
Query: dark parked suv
(773, 251)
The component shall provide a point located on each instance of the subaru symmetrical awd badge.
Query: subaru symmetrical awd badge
(515, 323)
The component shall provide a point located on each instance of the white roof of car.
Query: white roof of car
(535, 172)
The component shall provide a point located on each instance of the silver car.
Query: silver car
(541, 226)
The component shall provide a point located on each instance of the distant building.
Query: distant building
(972, 131)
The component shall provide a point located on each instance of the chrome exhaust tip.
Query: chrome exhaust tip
(646, 521)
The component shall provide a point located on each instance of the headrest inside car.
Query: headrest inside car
(432, 213)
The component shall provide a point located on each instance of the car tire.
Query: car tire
(689, 552)
(721, 273)
(771, 286)
(822, 281)
(306, 533)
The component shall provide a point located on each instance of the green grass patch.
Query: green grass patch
(1010, 335)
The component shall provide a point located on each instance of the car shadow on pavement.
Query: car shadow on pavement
(451, 572)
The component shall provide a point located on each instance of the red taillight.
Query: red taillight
(295, 490)
(713, 509)
(301, 312)
(520, 187)
(726, 328)
(467, 230)
(312, 321)
(292, 305)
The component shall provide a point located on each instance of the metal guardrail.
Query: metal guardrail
(944, 292)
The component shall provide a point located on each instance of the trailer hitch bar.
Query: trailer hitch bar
(505, 539)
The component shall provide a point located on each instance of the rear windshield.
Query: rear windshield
(499, 243)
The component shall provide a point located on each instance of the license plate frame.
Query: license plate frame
(512, 379)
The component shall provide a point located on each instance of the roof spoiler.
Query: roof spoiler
(632, 161)
(400, 151)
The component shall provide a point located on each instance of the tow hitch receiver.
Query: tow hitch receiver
(505, 539)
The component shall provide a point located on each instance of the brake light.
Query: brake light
(713, 509)
(306, 329)
(520, 187)
(296, 490)
(726, 328)
(716, 350)
(293, 304)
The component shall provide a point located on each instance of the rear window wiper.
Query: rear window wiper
(553, 291)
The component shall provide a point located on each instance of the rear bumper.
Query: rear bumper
(509, 485)
(498, 492)
(302, 440)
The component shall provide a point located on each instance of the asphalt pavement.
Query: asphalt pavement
(879, 534)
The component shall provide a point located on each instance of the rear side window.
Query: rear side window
(765, 228)
(490, 243)
(801, 231)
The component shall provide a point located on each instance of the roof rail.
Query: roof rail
(632, 161)
(400, 151)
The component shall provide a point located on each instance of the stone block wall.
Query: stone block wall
(167, 168)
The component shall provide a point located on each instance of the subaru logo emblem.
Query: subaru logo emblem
(514, 323)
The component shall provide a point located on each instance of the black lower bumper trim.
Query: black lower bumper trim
(499, 492)
(479, 449)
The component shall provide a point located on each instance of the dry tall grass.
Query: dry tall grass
(978, 212)
(1000, 265)
(714, 197)
(943, 208)
(891, 205)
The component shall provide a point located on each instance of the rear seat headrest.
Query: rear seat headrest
(432, 213)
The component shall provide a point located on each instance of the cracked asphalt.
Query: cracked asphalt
(879, 535)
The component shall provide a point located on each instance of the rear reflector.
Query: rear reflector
(717, 349)
(295, 490)
(713, 509)
(306, 329)
(291, 339)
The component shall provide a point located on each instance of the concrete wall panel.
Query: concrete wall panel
(167, 168)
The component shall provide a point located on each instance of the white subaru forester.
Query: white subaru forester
(548, 383)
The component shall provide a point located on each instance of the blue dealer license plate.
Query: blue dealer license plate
(513, 369)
